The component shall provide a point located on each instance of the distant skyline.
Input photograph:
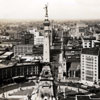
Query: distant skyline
(58, 9)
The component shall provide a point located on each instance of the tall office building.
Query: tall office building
(46, 48)
(90, 66)
(27, 38)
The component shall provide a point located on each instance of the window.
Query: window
(82, 78)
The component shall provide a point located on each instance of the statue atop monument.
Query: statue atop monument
(46, 9)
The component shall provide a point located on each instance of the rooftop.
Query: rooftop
(23, 92)
(84, 97)
(91, 51)
(8, 53)
(75, 66)
(10, 99)
(89, 38)
(1, 52)
(7, 64)
(24, 45)
(5, 55)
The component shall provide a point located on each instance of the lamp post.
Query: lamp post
(3, 95)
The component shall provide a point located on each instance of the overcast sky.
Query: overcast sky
(58, 9)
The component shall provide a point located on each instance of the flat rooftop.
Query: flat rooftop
(10, 99)
(8, 53)
(6, 64)
(91, 51)
(23, 92)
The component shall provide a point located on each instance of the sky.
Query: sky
(58, 9)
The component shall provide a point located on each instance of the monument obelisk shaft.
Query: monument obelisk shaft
(46, 48)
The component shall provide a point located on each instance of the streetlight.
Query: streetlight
(3, 95)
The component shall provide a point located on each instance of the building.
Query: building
(16, 71)
(78, 30)
(72, 55)
(6, 56)
(38, 37)
(31, 58)
(2, 37)
(97, 36)
(13, 42)
(8, 45)
(23, 49)
(88, 42)
(13, 34)
(74, 70)
(96, 43)
(38, 40)
(28, 38)
(62, 68)
(90, 63)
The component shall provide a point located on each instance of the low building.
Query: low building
(2, 37)
(13, 71)
(13, 34)
(74, 70)
(88, 42)
(96, 43)
(32, 58)
(8, 45)
(39, 40)
(72, 55)
(12, 42)
(2, 52)
(97, 36)
(23, 50)
(7, 56)
(85, 97)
